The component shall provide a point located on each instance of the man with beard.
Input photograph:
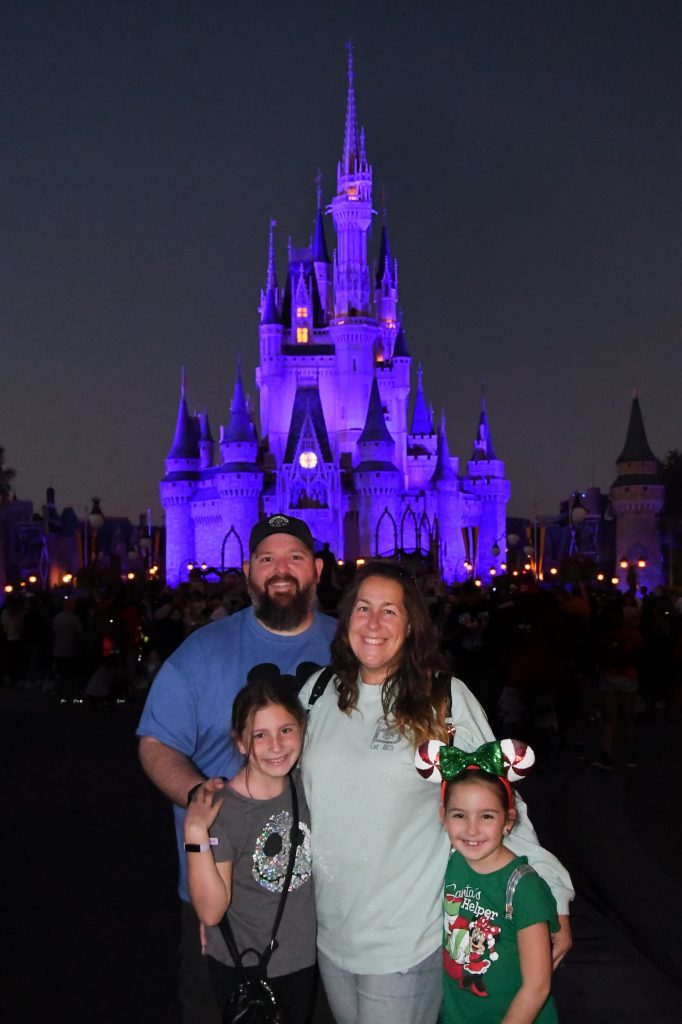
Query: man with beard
(185, 729)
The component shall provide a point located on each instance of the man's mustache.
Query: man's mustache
(282, 579)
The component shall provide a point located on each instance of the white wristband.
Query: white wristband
(200, 847)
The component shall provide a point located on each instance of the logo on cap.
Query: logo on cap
(278, 521)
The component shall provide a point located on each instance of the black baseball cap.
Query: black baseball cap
(281, 524)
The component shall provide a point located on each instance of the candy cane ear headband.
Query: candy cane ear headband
(508, 760)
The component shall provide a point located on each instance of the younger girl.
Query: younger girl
(496, 946)
(242, 865)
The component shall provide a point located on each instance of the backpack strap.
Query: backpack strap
(442, 691)
(320, 686)
(512, 882)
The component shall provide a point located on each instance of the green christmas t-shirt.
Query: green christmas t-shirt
(481, 966)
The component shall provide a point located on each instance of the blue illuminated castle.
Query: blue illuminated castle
(336, 445)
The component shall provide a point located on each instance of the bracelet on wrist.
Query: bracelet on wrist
(200, 847)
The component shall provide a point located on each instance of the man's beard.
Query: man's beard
(283, 612)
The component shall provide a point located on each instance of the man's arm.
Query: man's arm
(170, 771)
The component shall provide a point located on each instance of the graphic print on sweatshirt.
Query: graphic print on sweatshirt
(271, 855)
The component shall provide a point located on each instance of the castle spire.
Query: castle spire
(636, 448)
(240, 427)
(384, 263)
(483, 445)
(320, 252)
(350, 136)
(185, 440)
(443, 470)
(270, 312)
(375, 425)
(421, 420)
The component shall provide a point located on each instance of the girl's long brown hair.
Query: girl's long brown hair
(408, 696)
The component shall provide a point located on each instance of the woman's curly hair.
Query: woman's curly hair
(408, 696)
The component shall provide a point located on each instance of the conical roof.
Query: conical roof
(320, 253)
(375, 425)
(443, 470)
(421, 420)
(483, 445)
(185, 440)
(240, 427)
(400, 346)
(636, 447)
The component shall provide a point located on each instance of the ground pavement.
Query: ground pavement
(89, 915)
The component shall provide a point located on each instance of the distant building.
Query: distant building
(637, 496)
(616, 533)
(336, 445)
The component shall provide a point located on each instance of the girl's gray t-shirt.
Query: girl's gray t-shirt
(254, 836)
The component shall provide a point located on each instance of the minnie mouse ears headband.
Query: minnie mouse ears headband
(508, 760)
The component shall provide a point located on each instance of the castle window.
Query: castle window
(302, 335)
(352, 191)
(308, 460)
(302, 312)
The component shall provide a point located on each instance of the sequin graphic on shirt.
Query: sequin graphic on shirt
(385, 737)
(271, 855)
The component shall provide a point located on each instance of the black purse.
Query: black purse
(253, 1001)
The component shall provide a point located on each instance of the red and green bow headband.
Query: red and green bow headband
(508, 760)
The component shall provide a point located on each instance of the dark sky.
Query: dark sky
(531, 152)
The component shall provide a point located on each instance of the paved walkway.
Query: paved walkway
(90, 921)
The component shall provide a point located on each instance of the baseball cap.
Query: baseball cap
(281, 524)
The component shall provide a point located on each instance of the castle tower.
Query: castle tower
(176, 491)
(487, 482)
(352, 331)
(637, 496)
(377, 482)
(422, 440)
(449, 511)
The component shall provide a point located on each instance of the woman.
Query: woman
(379, 852)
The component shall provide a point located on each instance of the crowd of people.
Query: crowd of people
(316, 814)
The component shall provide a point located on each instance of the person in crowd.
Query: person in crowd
(497, 912)
(238, 843)
(11, 626)
(620, 645)
(185, 726)
(68, 649)
(379, 852)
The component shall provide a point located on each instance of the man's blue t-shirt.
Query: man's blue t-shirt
(189, 706)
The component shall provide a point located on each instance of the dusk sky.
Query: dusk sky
(531, 155)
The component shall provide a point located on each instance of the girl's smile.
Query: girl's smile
(477, 823)
(272, 746)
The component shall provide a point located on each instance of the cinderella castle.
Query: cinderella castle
(346, 438)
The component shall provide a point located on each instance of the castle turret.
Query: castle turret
(206, 442)
(486, 480)
(637, 496)
(238, 440)
(422, 439)
(386, 298)
(449, 511)
(377, 482)
(176, 491)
